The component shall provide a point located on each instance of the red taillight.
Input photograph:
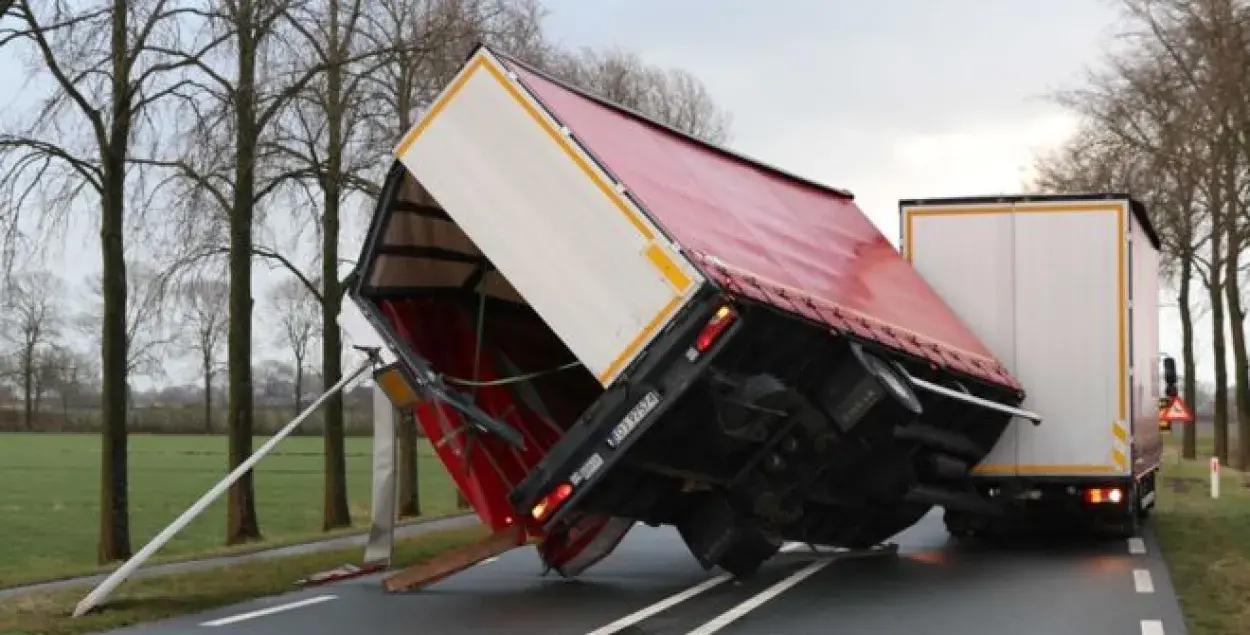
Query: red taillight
(1100, 495)
(551, 501)
(716, 326)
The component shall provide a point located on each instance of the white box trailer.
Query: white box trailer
(1063, 290)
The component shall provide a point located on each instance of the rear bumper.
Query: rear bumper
(610, 427)
(1047, 503)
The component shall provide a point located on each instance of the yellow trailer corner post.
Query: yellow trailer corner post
(590, 263)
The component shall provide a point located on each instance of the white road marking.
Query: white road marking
(489, 560)
(1151, 627)
(270, 611)
(1136, 546)
(728, 617)
(1142, 581)
(662, 605)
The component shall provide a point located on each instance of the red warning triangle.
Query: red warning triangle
(1176, 411)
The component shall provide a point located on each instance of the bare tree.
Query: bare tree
(325, 135)
(1206, 43)
(297, 314)
(233, 166)
(29, 319)
(205, 319)
(105, 59)
(673, 96)
(1175, 102)
(148, 330)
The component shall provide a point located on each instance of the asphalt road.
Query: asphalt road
(652, 586)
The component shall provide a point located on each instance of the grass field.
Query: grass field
(49, 495)
(1206, 543)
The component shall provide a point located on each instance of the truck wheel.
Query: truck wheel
(1131, 524)
(957, 524)
(745, 558)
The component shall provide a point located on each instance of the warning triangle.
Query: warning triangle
(1176, 411)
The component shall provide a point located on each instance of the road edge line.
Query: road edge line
(234, 619)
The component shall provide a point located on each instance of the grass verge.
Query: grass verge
(1206, 543)
(50, 523)
(165, 596)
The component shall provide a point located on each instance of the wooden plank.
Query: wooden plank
(455, 560)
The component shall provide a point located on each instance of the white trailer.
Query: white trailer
(1063, 290)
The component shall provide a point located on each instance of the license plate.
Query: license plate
(632, 418)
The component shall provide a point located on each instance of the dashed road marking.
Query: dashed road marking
(269, 611)
(1136, 546)
(489, 560)
(728, 617)
(1142, 581)
(1151, 627)
(661, 606)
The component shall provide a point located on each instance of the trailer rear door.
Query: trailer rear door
(1045, 284)
(588, 261)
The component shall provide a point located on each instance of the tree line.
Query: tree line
(49, 376)
(197, 132)
(1167, 118)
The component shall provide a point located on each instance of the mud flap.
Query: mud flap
(583, 545)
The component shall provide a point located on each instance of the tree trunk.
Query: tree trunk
(336, 512)
(299, 384)
(241, 523)
(1189, 442)
(1241, 372)
(409, 483)
(28, 389)
(114, 504)
(208, 394)
(1215, 289)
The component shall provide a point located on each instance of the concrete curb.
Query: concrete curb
(402, 530)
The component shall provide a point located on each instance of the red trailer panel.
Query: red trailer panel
(763, 234)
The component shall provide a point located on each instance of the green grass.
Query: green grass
(161, 597)
(1206, 543)
(49, 496)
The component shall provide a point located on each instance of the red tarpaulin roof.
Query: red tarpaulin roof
(760, 233)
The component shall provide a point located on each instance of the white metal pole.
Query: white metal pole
(110, 583)
(381, 541)
(1215, 477)
(973, 399)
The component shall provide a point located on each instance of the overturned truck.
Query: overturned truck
(611, 322)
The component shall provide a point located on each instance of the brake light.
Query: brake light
(551, 501)
(714, 328)
(1100, 495)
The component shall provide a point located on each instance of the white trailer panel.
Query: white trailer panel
(588, 261)
(1144, 317)
(1046, 286)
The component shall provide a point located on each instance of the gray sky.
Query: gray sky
(898, 99)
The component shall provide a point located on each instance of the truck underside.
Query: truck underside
(744, 425)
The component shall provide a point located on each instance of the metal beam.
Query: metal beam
(101, 592)
(974, 400)
(381, 541)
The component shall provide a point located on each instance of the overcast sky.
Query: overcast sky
(898, 99)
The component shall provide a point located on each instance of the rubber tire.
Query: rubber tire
(1130, 527)
(745, 558)
(1144, 512)
(957, 525)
